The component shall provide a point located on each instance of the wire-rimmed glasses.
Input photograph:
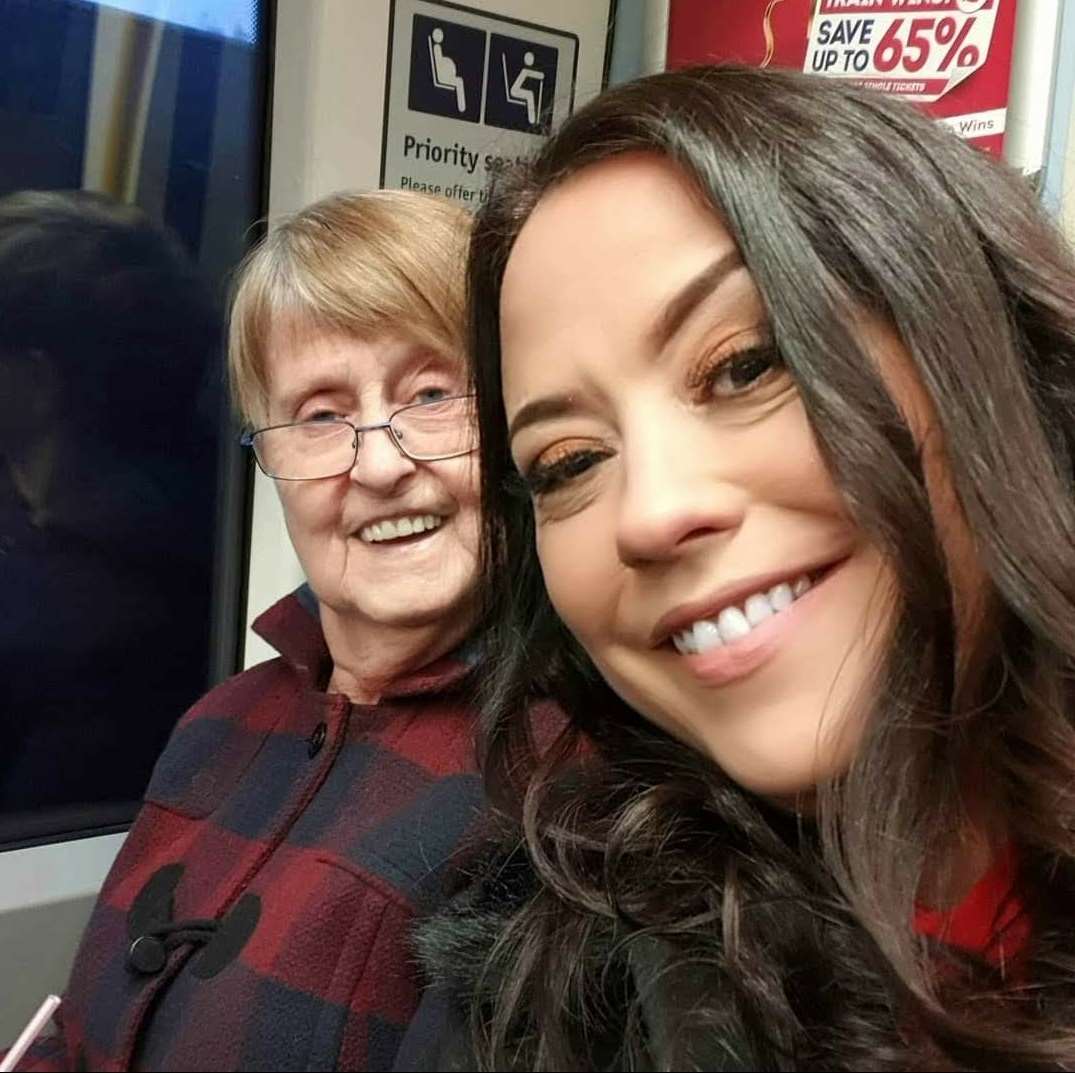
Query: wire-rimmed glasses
(328, 447)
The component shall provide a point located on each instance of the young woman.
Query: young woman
(775, 382)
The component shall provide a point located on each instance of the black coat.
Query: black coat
(453, 945)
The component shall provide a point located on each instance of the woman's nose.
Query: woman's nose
(673, 493)
(380, 466)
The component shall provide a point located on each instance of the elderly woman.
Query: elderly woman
(304, 811)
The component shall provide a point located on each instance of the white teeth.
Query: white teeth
(706, 636)
(781, 597)
(758, 608)
(399, 527)
(733, 625)
(684, 642)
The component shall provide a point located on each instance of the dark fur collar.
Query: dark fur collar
(453, 946)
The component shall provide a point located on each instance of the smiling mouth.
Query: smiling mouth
(402, 529)
(726, 626)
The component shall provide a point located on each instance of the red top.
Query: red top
(990, 920)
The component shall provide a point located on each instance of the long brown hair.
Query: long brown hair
(797, 934)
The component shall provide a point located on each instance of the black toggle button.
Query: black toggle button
(223, 947)
(316, 740)
(147, 955)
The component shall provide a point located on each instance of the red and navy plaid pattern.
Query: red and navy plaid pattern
(341, 818)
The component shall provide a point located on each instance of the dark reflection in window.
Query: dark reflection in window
(120, 490)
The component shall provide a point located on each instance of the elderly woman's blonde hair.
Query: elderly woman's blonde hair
(361, 264)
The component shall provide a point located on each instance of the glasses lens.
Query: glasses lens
(306, 451)
(437, 429)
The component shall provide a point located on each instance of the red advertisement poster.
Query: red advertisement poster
(953, 57)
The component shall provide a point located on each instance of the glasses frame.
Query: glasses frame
(247, 438)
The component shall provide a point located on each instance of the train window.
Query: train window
(131, 152)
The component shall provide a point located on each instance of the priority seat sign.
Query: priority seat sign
(447, 69)
(466, 90)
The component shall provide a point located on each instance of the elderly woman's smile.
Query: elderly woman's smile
(390, 542)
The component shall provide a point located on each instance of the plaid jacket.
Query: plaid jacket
(258, 915)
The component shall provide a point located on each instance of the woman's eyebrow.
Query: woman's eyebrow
(423, 360)
(543, 409)
(691, 296)
(292, 399)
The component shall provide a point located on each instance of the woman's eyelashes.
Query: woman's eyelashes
(559, 467)
(431, 385)
(749, 371)
(347, 411)
(431, 394)
(736, 374)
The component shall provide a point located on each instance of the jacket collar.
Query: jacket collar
(293, 627)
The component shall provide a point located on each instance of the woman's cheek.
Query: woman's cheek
(576, 569)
